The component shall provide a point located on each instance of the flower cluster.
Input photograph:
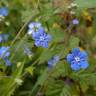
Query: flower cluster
(39, 35)
(78, 59)
(4, 54)
(52, 62)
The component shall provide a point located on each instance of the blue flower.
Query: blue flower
(38, 34)
(52, 62)
(41, 38)
(78, 59)
(75, 21)
(4, 11)
(4, 53)
(33, 27)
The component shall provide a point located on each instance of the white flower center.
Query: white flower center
(77, 59)
(35, 28)
(41, 38)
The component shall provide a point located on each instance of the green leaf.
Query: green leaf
(61, 69)
(84, 85)
(57, 34)
(59, 88)
(74, 42)
(9, 84)
(39, 82)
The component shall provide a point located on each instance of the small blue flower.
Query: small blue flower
(41, 38)
(78, 59)
(52, 62)
(4, 11)
(4, 53)
(33, 27)
(75, 21)
(38, 34)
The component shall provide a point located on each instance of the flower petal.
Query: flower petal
(48, 38)
(84, 64)
(83, 55)
(37, 43)
(41, 31)
(50, 62)
(56, 58)
(76, 51)
(70, 58)
(30, 31)
(8, 62)
(44, 44)
(34, 24)
(37, 24)
(38, 33)
(31, 25)
(35, 35)
(4, 11)
(6, 54)
(75, 21)
(75, 66)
